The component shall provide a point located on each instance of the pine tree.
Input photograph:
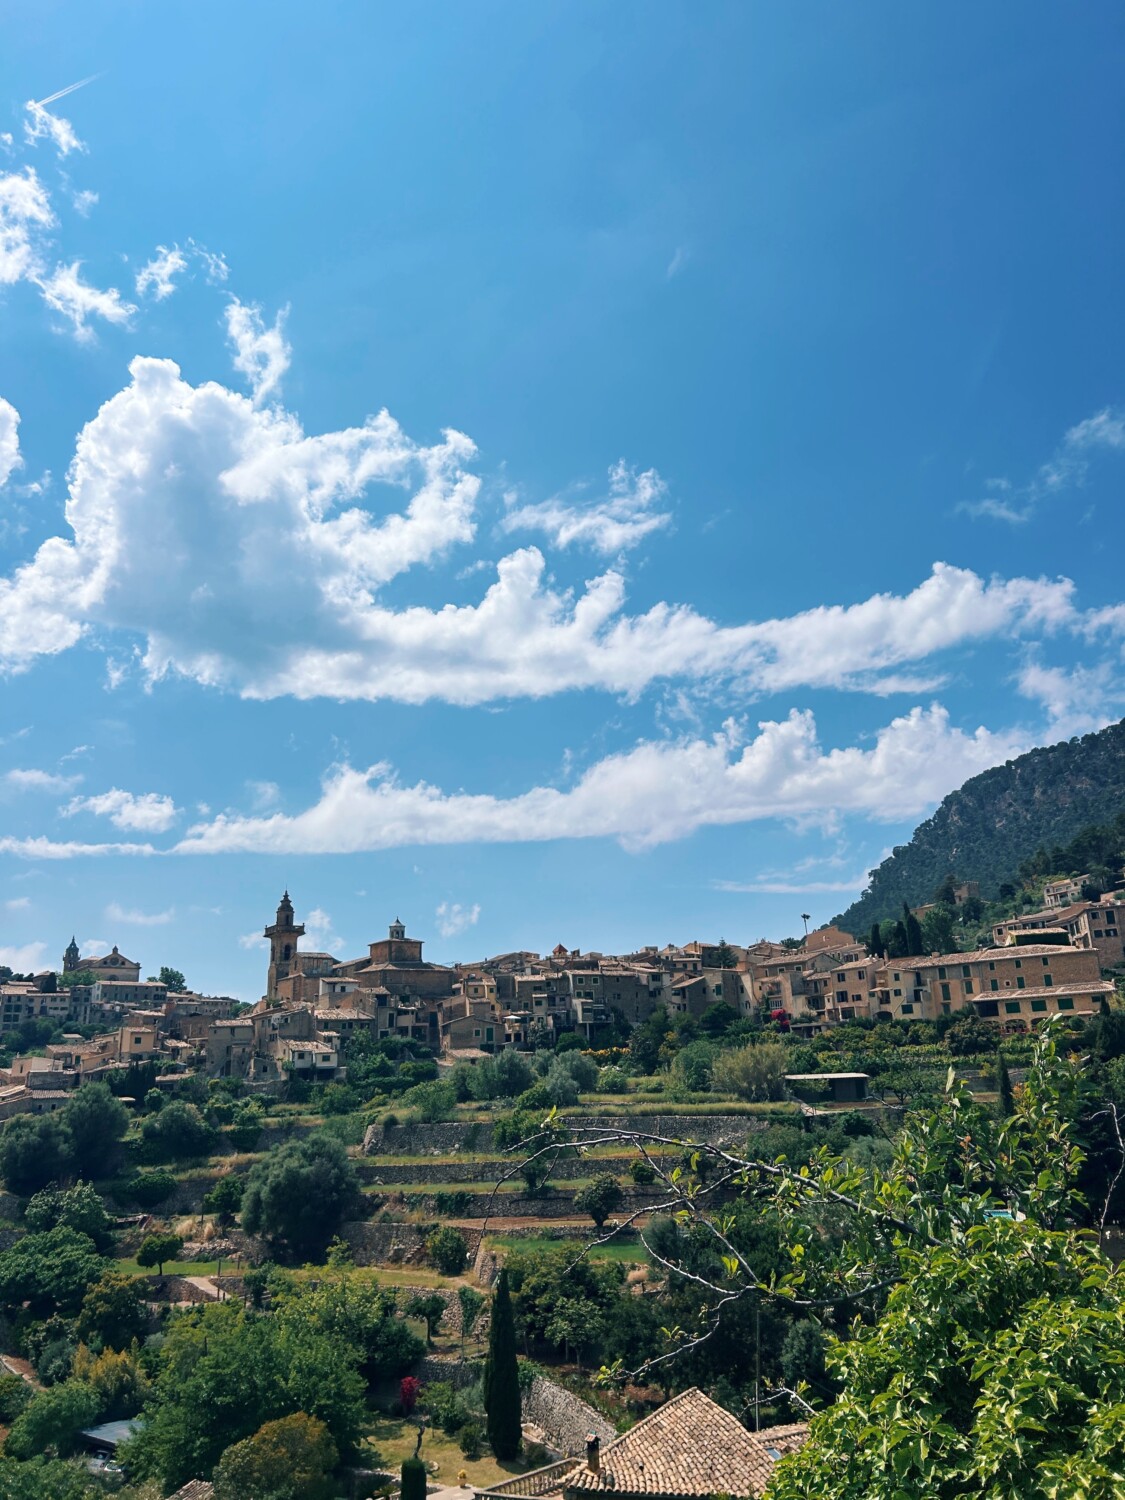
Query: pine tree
(412, 1485)
(502, 1376)
(1004, 1102)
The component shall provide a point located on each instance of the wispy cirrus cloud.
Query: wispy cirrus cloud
(1066, 469)
(133, 917)
(157, 277)
(33, 779)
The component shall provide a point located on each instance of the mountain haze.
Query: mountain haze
(987, 827)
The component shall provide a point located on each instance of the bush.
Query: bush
(756, 1072)
(412, 1485)
(178, 1132)
(150, 1189)
(642, 1172)
(469, 1439)
(447, 1250)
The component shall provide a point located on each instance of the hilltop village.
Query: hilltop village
(284, 1248)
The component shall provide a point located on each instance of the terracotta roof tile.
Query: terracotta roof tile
(691, 1447)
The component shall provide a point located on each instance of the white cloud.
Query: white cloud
(794, 887)
(24, 959)
(453, 918)
(1078, 700)
(612, 524)
(250, 940)
(1106, 429)
(85, 202)
(319, 936)
(10, 459)
(55, 849)
(215, 266)
(151, 812)
(135, 918)
(25, 213)
(41, 781)
(260, 353)
(652, 794)
(78, 301)
(1065, 469)
(18, 903)
(266, 794)
(249, 556)
(158, 275)
(42, 125)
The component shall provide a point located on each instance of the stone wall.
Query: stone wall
(458, 1372)
(396, 1244)
(563, 1418)
(454, 1135)
(555, 1205)
(421, 1140)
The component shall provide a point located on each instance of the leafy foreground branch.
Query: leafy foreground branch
(975, 1330)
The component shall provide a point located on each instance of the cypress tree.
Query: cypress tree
(875, 942)
(914, 943)
(413, 1482)
(1004, 1101)
(502, 1376)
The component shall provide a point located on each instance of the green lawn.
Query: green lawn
(393, 1439)
(624, 1250)
(172, 1267)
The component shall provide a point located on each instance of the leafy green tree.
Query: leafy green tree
(471, 1304)
(52, 1420)
(158, 1248)
(177, 1133)
(113, 1312)
(116, 1377)
(599, 1198)
(291, 1458)
(717, 1019)
(150, 1189)
(502, 1402)
(447, 1250)
(15, 1393)
(430, 1307)
(298, 1196)
(95, 1122)
(938, 934)
(223, 1371)
(224, 1198)
(356, 1315)
(173, 978)
(78, 1207)
(755, 1072)
(49, 1271)
(35, 1150)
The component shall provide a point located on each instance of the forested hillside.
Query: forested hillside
(987, 828)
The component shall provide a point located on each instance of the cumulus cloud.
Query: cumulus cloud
(55, 849)
(23, 959)
(157, 276)
(652, 794)
(42, 125)
(32, 780)
(249, 555)
(611, 524)
(25, 214)
(453, 918)
(148, 813)
(10, 459)
(319, 935)
(250, 940)
(1078, 700)
(260, 353)
(134, 918)
(65, 292)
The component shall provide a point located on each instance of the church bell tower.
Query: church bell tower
(283, 937)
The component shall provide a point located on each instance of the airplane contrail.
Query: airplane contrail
(70, 88)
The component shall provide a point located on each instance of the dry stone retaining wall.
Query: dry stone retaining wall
(562, 1417)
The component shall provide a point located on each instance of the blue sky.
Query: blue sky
(585, 473)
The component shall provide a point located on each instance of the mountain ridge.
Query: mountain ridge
(998, 818)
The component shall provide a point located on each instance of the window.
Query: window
(718, 991)
(968, 986)
(1012, 1007)
(863, 974)
(1047, 980)
(907, 1007)
(941, 972)
(1019, 963)
(1019, 981)
(896, 977)
(1039, 1005)
(991, 965)
(994, 984)
(1045, 961)
(1064, 1002)
(945, 993)
(897, 993)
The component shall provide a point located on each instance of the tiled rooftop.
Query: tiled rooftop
(692, 1447)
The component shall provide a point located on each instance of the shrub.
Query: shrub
(469, 1439)
(290, 1459)
(642, 1172)
(412, 1485)
(447, 1250)
(150, 1189)
(408, 1389)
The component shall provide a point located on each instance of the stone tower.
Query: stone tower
(70, 957)
(283, 937)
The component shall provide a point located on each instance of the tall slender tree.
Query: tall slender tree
(1005, 1102)
(875, 942)
(914, 943)
(502, 1376)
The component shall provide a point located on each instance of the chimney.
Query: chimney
(593, 1452)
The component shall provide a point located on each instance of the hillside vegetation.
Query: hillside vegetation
(998, 820)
